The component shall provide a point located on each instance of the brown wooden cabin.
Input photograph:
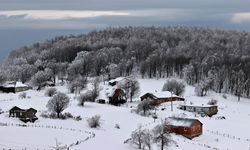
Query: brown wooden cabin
(14, 87)
(161, 97)
(186, 127)
(24, 115)
(208, 110)
(118, 97)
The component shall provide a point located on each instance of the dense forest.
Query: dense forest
(208, 58)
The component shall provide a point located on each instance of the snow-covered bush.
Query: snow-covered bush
(58, 103)
(117, 126)
(94, 121)
(87, 96)
(78, 118)
(23, 95)
(224, 96)
(50, 92)
(212, 102)
(172, 85)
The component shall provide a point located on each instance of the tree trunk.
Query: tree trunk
(58, 115)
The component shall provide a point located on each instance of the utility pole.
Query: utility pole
(171, 101)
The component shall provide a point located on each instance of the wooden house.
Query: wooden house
(208, 110)
(118, 97)
(24, 115)
(186, 127)
(161, 97)
(14, 87)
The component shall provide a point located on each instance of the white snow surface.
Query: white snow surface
(231, 133)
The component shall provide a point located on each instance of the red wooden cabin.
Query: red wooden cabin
(118, 97)
(189, 128)
(161, 97)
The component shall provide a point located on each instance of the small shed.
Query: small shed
(208, 110)
(118, 97)
(161, 97)
(24, 115)
(14, 87)
(186, 127)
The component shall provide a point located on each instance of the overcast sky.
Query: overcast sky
(23, 22)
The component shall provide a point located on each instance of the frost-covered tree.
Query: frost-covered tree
(131, 87)
(2, 77)
(50, 92)
(41, 78)
(172, 85)
(81, 65)
(58, 103)
(95, 89)
(77, 84)
(162, 135)
(145, 106)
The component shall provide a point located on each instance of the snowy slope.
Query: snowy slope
(230, 133)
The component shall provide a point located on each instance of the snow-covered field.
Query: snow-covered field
(231, 133)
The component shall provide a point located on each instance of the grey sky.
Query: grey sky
(75, 16)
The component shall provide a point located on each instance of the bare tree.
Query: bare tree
(58, 103)
(136, 137)
(147, 139)
(172, 85)
(162, 135)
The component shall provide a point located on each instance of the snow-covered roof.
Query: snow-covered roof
(10, 84)
(183, 122)
(162, 94)
(117, 79)
(202, 105)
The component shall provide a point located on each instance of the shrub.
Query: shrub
(224, 96)
(212, 102)
(87, 96)
(94, 121)
(22, 95)
(51, 92)
(117, 126)
(78, 118)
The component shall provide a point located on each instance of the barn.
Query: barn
(161, 97)
(118, 97)
(186, 127)
(14, 87)
(24, 115)
(208, 110)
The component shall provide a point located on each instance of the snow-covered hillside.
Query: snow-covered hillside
(230, 133)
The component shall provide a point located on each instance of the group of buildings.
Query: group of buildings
(187, 127)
